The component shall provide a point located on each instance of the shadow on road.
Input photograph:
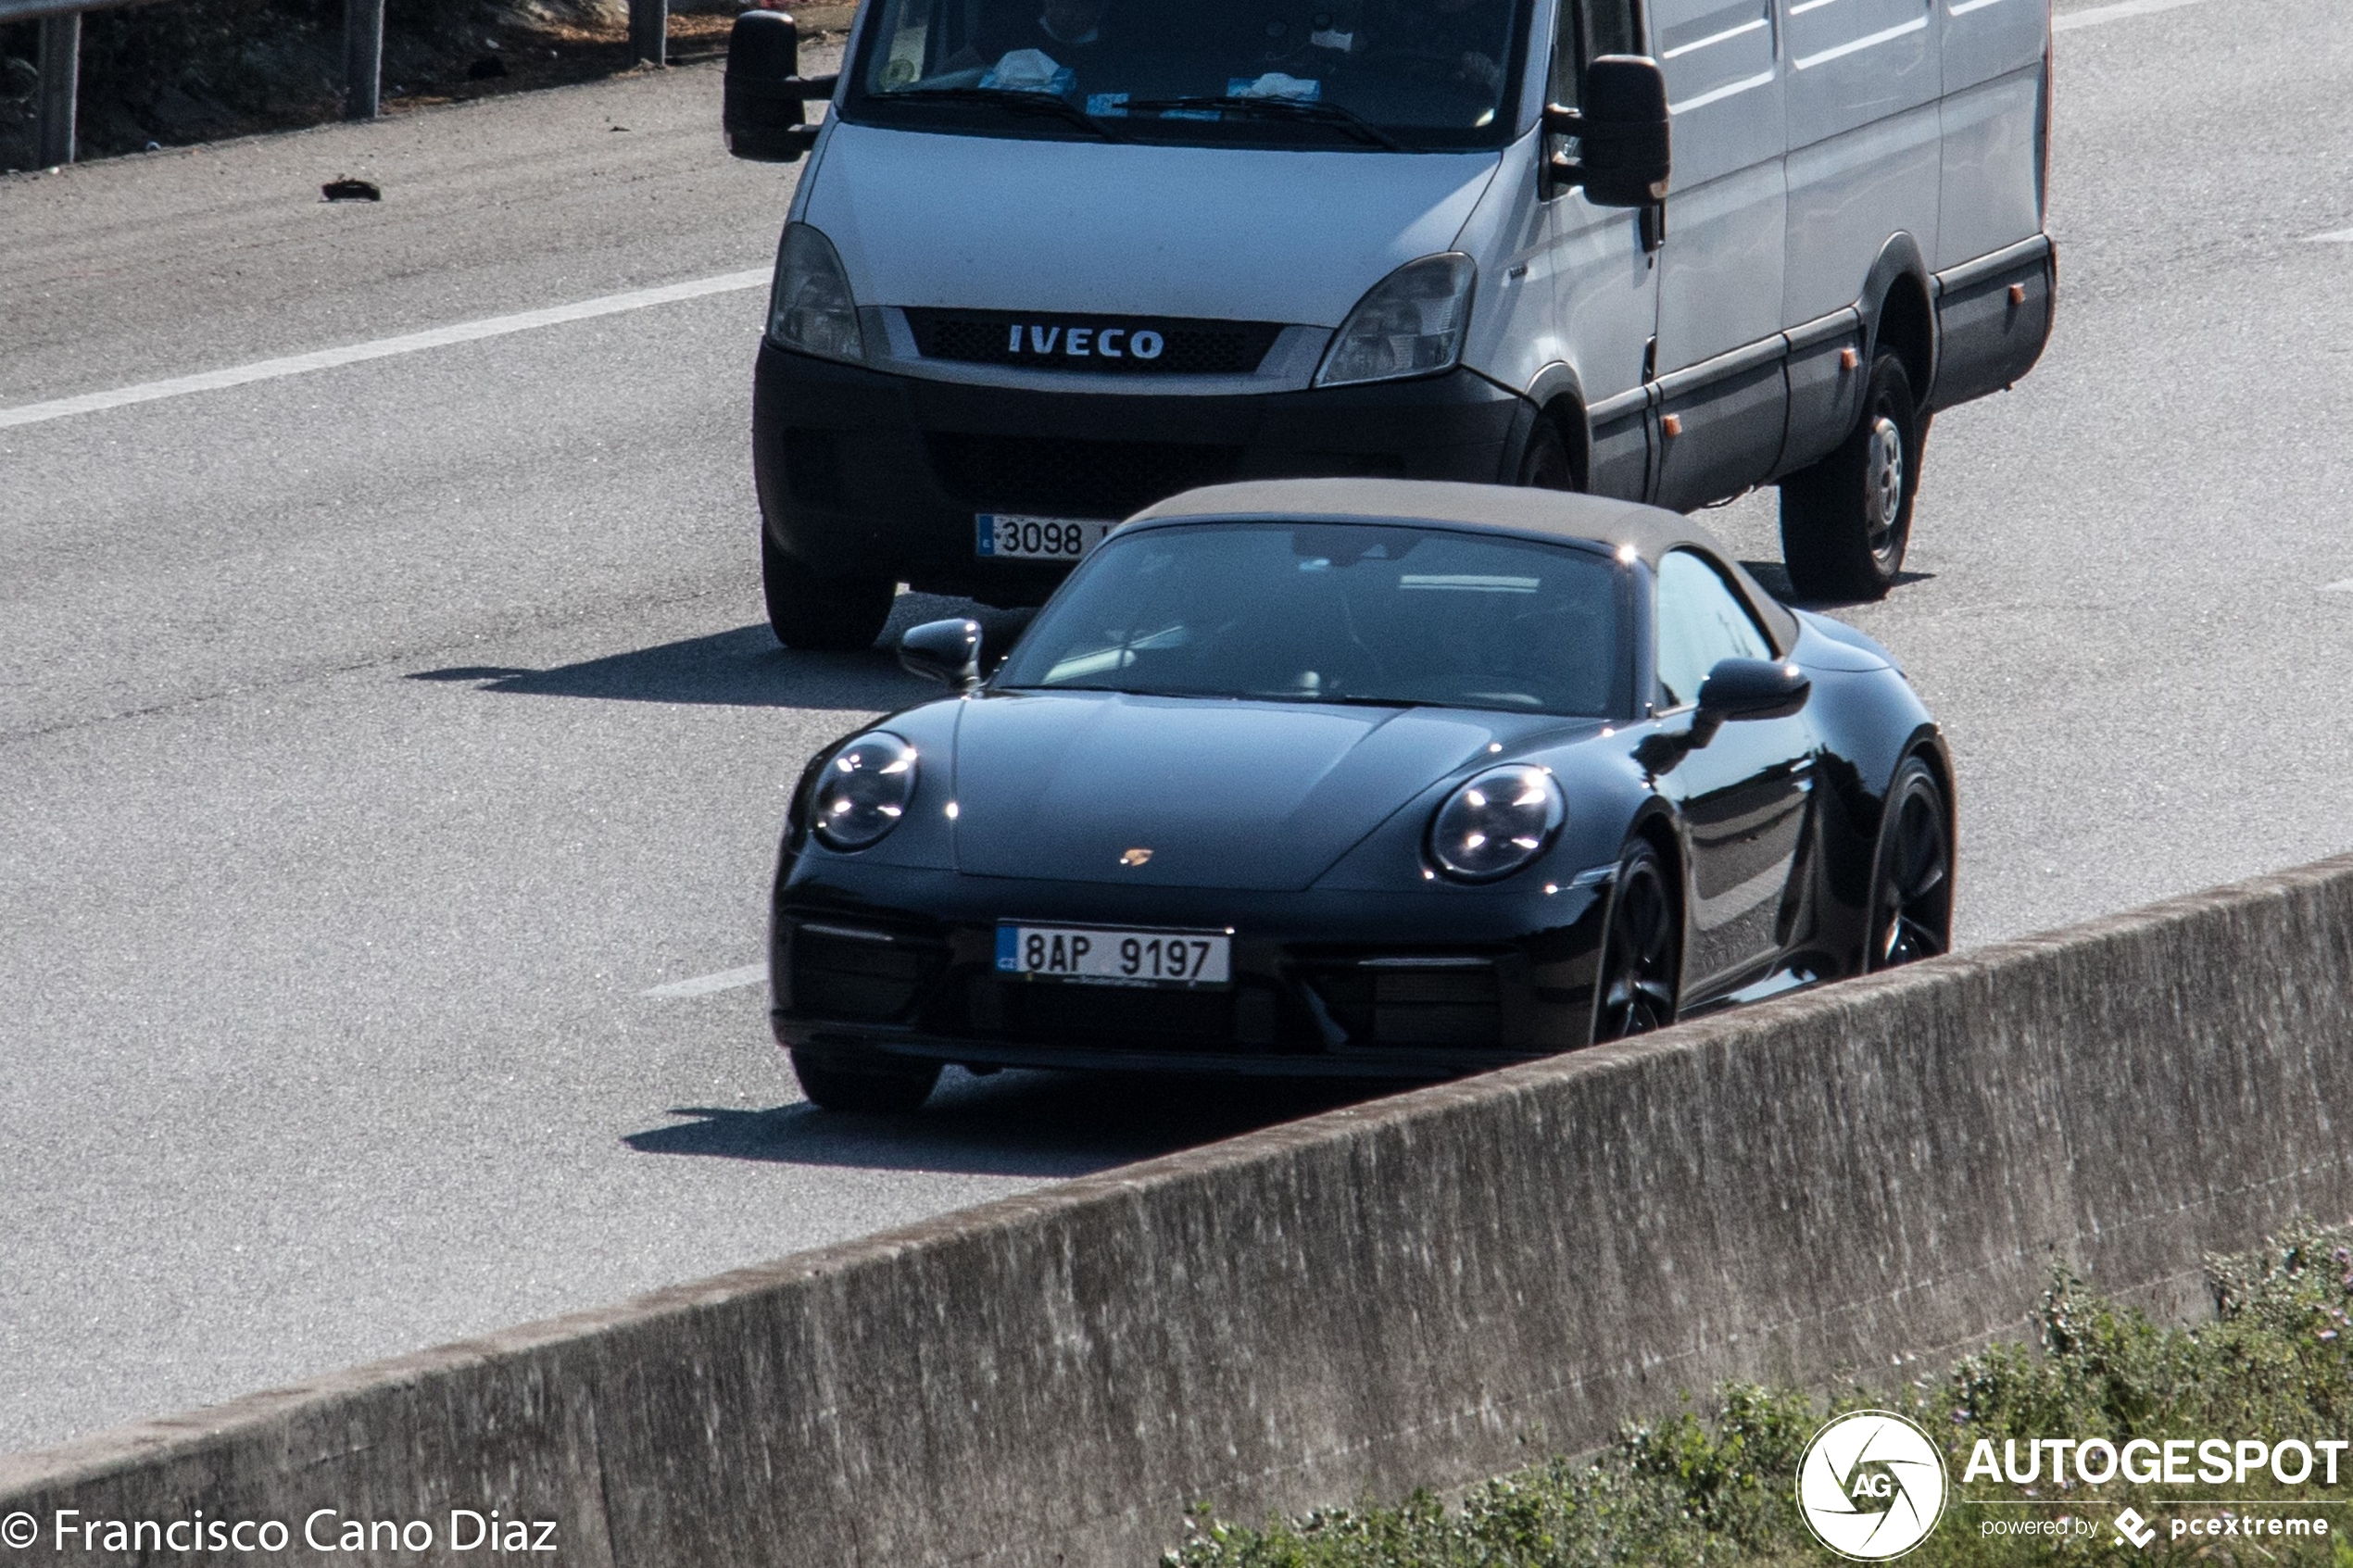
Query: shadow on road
(739, 669)
(744, 667)
(1013, 1124)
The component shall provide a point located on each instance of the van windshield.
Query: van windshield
(1395, 75)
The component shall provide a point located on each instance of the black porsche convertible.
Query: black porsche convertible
(1365, 778)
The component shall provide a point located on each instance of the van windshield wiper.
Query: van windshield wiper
(1016, 99)
(1314, 113)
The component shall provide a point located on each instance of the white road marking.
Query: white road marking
(2338, 237)
(381, 348)
(2344, 587)
(2067, 21)
(704, 985)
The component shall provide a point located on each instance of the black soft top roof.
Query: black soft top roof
(1538, 514)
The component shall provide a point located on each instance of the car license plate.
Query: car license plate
(1001, 535)
(1111, 956)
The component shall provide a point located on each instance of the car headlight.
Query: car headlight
(1411, 324)
(1496, 823)
(811, 310)
(864, 791)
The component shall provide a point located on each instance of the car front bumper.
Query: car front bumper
(863, 473)
(1425, 984)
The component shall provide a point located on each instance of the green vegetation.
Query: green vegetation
(1718, 1487)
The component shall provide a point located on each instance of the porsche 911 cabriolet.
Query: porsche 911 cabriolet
(1363, 778)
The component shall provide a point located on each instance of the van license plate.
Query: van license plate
(1004, 536)
(1115, 958)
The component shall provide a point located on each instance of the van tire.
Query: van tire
(808, 610)
(1846, 519)
(1545, 465)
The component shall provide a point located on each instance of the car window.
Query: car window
(1700, 622)
(1322, 74)
(1338, 613)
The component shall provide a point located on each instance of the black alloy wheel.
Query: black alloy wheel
(1640, 950)
(1912, 883)
(806, 609)
(879, 1091)
(1846, 519)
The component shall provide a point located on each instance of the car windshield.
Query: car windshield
(1333, 613)
(1393, 74)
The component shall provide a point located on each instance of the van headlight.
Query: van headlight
(864, 791)
(1496, 824)
(1411, 324)
(812, 308)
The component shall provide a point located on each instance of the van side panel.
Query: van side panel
(1992, 166)
(1719, 287)
(1848, 196)
(1864, 166)
(1514, 329)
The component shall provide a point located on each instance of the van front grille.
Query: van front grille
(1185, 348)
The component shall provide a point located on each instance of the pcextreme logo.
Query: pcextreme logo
(1871, 1486)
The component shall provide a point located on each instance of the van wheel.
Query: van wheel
(1846, 521)
(1544, 466)
(891, 1091)
(806, 610)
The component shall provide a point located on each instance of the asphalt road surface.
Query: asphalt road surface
(373, 740)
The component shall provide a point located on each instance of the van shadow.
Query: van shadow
(742, 668)
(1014, 1123)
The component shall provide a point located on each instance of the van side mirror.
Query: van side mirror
(1622, 133)
(948, 651)
(1747, 688)
(761, 109)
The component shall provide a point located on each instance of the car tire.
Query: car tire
(1911, 908)
(806, 609)
(1545, 465)
(1639, 970)
(1846, 521)
(884, 1091)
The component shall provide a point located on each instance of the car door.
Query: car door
(1604, 276)
(1744, 795)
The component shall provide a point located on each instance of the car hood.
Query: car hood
(996, 223)
(1234, 795)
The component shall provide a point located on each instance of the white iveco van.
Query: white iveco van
(1053, 260)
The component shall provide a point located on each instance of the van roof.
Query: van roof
(1548, 514)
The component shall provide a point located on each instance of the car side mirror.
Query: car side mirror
(761, 105)
(1747, 688)
(947, 651)
(1622, 132)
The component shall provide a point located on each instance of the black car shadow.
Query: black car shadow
(1773, 577)
(1011, 1124)
(744, 667)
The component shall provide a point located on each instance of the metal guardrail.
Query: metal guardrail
(363, 52)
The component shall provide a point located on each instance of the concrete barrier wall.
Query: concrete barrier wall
(1384, 1296)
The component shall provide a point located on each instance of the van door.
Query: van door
(1865, 145)
(1605, 278)
(1994, 126)
(1722, 399)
